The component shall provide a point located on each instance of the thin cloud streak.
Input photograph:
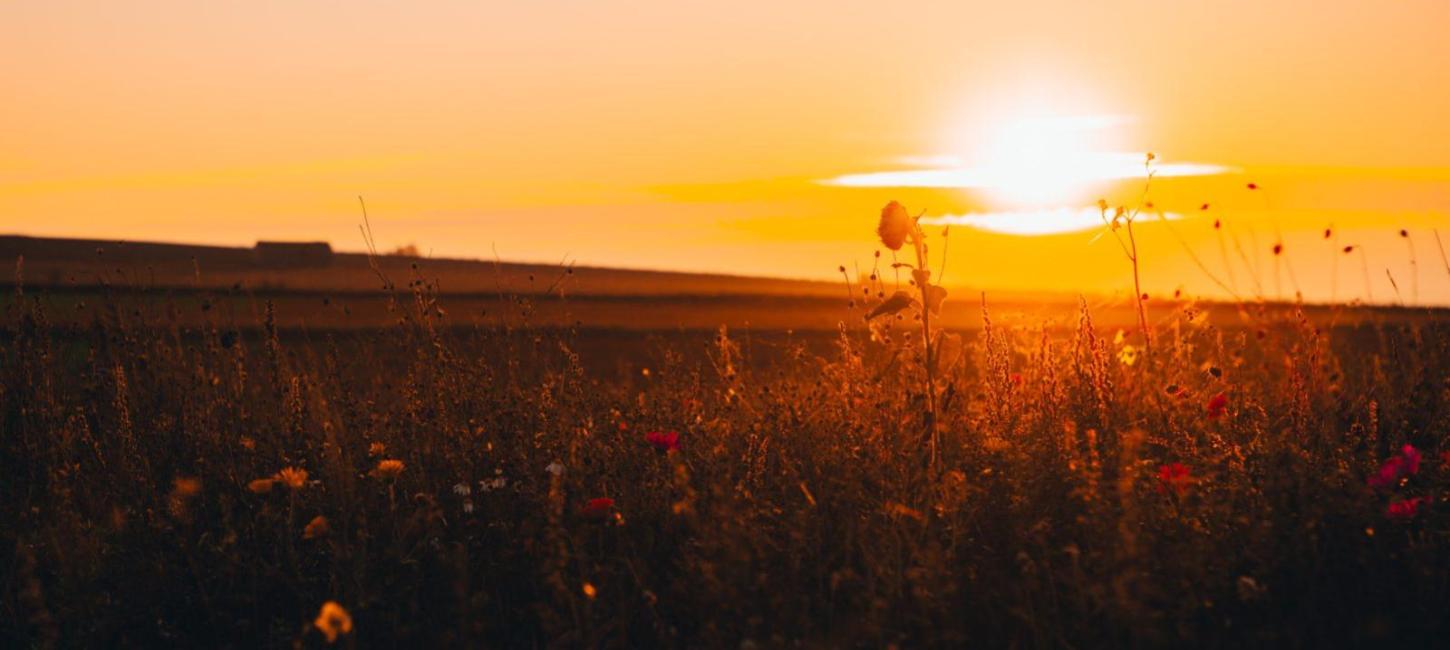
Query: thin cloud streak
(1051, 221)
(1086, 168)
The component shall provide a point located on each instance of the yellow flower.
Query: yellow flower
(316, 528)
(895, 225)
(261, 485)
(333, 621)
(292, 477)
(388, 469)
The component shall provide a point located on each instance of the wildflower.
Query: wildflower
(182, 491)
(1128, 355)
(292, 477)
(1404, 509)
(895, 225)
(316, 528)
(376, 449)
(590, 591)
(1217, 406)
(462, 489)
(598, 508)
(261, 485)
(665, 441)
(333, 621)
(185, 488)
(388, 469)
(1174, 477)
(1407, 463)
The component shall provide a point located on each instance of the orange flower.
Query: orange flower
(292, 477)
(185, 487)
(316, 528)
(376, 449)
(388, 469)
(261, 485)
(333, 621)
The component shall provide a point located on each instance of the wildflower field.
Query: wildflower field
(1265, 478)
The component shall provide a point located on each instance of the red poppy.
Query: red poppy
(1217, 406)
(598, 508)
(1404, 509)
(1174, 477)
(665, 441)
(1406, 463)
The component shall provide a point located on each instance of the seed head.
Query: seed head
(895, 225)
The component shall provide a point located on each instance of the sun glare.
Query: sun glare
(1036, 175)
(1045, 161)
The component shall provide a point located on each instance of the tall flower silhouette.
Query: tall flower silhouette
(895, 225)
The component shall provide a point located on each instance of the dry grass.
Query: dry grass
(485, 487)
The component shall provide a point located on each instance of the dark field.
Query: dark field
(1262, 477)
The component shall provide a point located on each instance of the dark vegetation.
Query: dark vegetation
(1262, 478)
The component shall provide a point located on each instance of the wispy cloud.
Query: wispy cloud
(1051, 221)
(1085, 168)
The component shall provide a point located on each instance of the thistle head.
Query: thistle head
(895, 225)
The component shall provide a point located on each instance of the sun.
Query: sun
(1047, 161)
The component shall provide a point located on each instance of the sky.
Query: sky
(758, 138)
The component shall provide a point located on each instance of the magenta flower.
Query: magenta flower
(665, 441)
(1407, 463)
(1404, 509)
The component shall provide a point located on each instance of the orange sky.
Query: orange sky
(714, 136)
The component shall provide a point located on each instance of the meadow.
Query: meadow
(178, 470)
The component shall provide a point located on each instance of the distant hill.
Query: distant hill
(309, 284)
(315, 267)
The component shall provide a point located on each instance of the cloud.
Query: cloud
(1082, 168)
(1051, 221)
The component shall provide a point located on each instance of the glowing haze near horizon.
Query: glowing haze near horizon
(749, 137)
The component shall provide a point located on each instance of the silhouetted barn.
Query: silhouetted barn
(292, 255)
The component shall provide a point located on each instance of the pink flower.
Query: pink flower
(598, 508)
(666, 441)
(1407, 463)
(1404, 509)
(1174, 477)
(1217, 406)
